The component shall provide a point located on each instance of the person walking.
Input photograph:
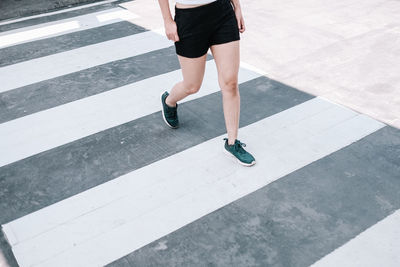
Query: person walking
(197, 26)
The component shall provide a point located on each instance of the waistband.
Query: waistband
(202, 7)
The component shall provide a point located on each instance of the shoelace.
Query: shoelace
(238, 146)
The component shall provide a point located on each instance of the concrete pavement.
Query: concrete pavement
(15, 9)
(345, 51)
(90, 176)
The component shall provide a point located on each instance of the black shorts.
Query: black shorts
(202, 26)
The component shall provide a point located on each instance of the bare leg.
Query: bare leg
(193, 72)
(227, 60)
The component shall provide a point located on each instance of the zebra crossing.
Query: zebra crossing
(51, 29)
(91, 176)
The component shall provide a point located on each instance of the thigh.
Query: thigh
(193, 31)
(227, 60)
(193, 70)
(226, 28)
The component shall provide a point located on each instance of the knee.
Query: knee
(191, 88)
(230, 86)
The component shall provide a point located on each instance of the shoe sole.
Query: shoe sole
(163, 115)
(242, 163)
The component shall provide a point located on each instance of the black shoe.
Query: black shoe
(169, 114)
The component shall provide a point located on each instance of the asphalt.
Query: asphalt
(90, 175)
(14, 9)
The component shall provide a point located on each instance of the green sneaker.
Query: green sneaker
(169, 114)
(237, 151)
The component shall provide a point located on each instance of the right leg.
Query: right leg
(193, 73)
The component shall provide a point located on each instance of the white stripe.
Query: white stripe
(56, 12)
(60, 27)
(118, 188)
(111, 220)
(52, 66)
(46, 31)
(377, 246)
(56, 126)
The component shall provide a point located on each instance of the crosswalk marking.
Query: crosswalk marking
(377, 246)
(103, 156)
(101, 196)
(114, 218)
(206, 182)
(60, 27)
(51, 93)
(120, 14)
(53, 127)
(52, 30)
(56, 12)
(48, 67)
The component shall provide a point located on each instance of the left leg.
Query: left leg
(227, 60)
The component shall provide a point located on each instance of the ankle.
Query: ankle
(231, 142)
(168, 103)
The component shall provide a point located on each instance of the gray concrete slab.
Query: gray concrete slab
(10, 24)
(13, 9)
(44, 47)
(7, 258)
(77, 85)
(295, 220)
